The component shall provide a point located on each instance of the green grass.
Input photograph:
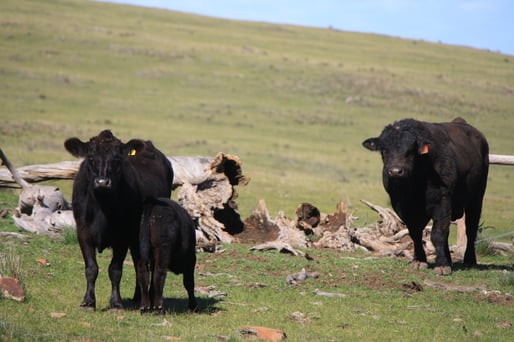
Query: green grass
(294, 104)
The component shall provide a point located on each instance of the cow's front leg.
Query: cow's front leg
(439, 236)
(115, 271)
(91, 272)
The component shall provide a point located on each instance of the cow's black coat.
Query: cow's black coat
(167, 242)
(434, 171)
(108, 195)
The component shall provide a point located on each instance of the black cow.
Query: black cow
(434, 171)
(108, 195)
(167, 242)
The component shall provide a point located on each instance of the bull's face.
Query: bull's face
(400, 147)
(104, 156)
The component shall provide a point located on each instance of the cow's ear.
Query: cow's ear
(76, 147)
(371, 144)
(134, 147)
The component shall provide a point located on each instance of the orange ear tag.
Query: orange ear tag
(425, 149)
(132, 152)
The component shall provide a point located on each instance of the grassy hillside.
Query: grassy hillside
(294, 104)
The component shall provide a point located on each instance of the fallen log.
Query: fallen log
(192, 170)
(501, 159)
(207, 193)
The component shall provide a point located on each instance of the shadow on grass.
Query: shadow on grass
(179, 305)
(459, 266)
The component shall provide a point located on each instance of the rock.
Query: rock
(263, 333)
(11, 288)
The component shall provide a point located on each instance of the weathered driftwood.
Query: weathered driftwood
(280, 233)
(41, 208)
(451, 287)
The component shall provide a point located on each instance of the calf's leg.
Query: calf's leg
(159, 277)
(143, 279)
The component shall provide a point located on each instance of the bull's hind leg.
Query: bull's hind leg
(115, 271)
(472, 220)
(189, 284)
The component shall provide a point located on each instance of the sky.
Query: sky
(482, 24)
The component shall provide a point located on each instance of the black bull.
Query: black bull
(434, 171)
(108, 195)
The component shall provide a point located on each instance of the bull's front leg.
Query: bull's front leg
(115, 272)
(420, 258)
(439, 236)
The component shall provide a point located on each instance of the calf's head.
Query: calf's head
(401, 144)
(104, 156)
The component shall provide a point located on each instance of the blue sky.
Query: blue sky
(483, 24)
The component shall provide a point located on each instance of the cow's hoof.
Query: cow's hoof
(116, 307)
(159, 310)
(144, 310)
(443, 270)
(419, 265)
(88, 306)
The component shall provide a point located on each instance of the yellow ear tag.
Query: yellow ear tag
(132, 152)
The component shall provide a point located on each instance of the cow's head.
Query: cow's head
(400, 145)
(104, 156)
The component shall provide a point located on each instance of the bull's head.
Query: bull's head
(400, 145)
(104, 156)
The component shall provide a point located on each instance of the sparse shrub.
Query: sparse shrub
(507, 278)
(484, 248)
(10, 264)
(70, 236)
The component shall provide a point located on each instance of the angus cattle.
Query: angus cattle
(108, 195)
(167, 242)
(434, 171)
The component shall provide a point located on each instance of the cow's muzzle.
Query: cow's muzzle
(102, 183)
(396, 171)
